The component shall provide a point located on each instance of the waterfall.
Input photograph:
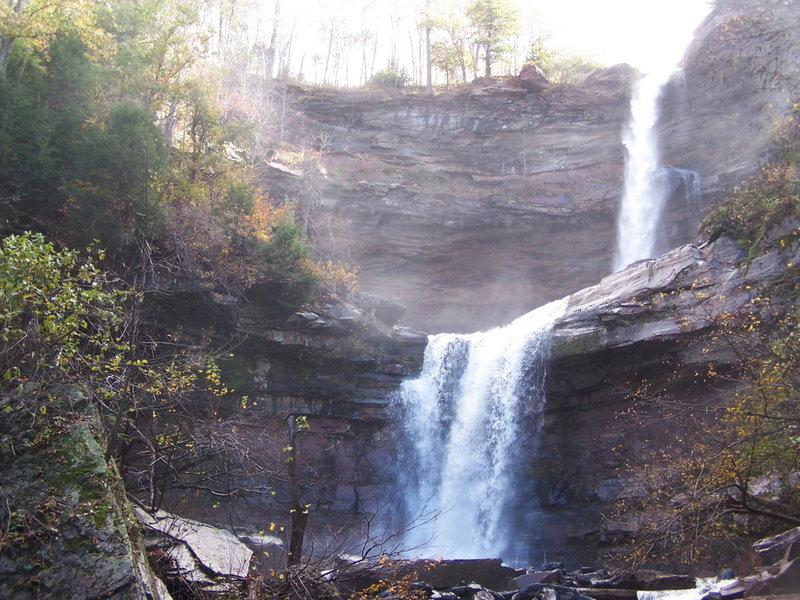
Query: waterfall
(645, 191)
(646, 182)
(463, 418)
(689, 188)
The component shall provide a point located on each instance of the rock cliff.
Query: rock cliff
(469, 206)
(478, 204)
(650, 323)
(334, 362)
(738, 81)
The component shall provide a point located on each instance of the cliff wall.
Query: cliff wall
(478, 204)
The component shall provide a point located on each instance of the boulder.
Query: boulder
(648, 580)
(210, 558)
(523, 581)
(777, 547)
(532, 79)
(787, 579)
(388, 310)
(617, 76)
(68, 533)
(459, 576)
(540, 591)
(488, 572)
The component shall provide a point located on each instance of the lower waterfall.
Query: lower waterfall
(478, 398)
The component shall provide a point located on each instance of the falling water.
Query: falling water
(646, 184)
(645, 194)
(463, 418)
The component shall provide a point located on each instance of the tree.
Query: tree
(12, 11)
(450, 23)
(446, 59)
(493, 22)
(733, 472)
(116, 170)
(38, 20)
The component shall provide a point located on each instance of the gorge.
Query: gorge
(517, 207)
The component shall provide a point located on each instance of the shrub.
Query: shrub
(391, 77)
(770, 197)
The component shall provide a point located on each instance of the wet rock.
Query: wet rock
(554, 576)
(609, 593)
(539, 591)
(649, 580)
(783, 546)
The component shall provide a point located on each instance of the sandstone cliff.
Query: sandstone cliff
(479, 204)
(470, 207)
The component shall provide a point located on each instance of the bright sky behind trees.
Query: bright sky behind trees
(640, 32)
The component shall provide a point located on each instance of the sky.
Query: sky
(639, 32)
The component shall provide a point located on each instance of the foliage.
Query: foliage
(734, 471)
(65, 322)
(109, 133)
(36, 21)
(57, 314)
(391, 77)
(561, 68)
(756, 206)
(446, 58)
(493, 22)
(116, 168)
(26, 155)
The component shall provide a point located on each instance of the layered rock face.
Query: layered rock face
(67, 527)
(472, 208)
(653, 324)
(477, 205)
(737, 85)
(336, 364)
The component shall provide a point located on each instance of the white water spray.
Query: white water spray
(704, 588)
(462, 419)
(646, 182)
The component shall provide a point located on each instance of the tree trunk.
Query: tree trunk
(6, 45)
(269, 54)
(299, 513)
(428, 65)
(7, 41)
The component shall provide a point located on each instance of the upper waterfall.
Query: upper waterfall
(647, 184)
(477, 396)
